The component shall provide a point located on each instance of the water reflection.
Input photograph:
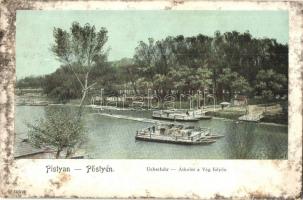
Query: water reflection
(241, 140)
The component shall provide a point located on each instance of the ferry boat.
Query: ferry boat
(177, 134)
(180, 115)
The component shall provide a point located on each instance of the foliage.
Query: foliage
(228, 63)
(61, 129)
(127, 72)
(31, 82)
(80, 49)
(233, 82)
(270, 84)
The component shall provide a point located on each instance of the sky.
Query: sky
(34, 34)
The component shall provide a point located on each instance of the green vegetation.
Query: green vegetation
(228, 114)
(228, 64)
(79, 50)
(31, 82)
(61, 130)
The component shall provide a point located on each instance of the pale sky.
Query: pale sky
(127, 28)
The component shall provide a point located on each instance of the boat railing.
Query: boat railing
(170, 116)
(195, 137)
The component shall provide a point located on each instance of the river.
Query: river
(111, 138)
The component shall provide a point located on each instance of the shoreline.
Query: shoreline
(263, 123)
(231, 118)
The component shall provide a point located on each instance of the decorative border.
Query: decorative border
(291, 170)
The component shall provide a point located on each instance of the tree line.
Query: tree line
(228, 63)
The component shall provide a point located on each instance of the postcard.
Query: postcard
(151, 99)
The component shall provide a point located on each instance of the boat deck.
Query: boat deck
(180, 115)
(176, 117)
(177, 134)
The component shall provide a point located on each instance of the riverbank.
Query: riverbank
(271, 114)
(274, 118)
(226, 114)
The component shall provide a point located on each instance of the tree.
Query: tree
(60, 130)
(79, 49)
(270, 84)
(127, 72)
(61, 85)
(233, 82)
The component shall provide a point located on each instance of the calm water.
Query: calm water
(115, 138)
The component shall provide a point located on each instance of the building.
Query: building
(239, 100)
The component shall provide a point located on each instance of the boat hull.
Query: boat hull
(199, 142)
(205, 117)
(177, 119)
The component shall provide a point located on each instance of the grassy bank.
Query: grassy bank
(278, 118)
(228, 114)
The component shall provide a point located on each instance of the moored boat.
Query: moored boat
(174, 115)
(177, 134)
(180, 115)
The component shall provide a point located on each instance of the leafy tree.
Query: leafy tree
(127, 72)
(241, 85)
(61, 85)
(233, 59)
(60, 130)
(80, 49)
(233, 82)
(270, 84)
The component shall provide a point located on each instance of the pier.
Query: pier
(255, 114)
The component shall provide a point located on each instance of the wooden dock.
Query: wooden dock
(254, 114)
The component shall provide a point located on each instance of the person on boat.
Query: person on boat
(154, 129)
(187, 113)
